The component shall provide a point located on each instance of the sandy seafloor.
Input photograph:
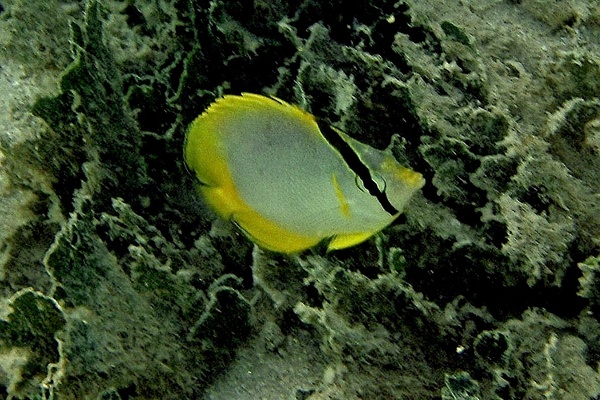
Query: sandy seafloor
(116, 282)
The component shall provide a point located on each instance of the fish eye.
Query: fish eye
(380, 182)
(384, 184)
(360, 184)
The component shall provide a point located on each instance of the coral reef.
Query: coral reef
(116, 282)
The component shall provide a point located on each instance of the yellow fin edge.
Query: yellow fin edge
(343, 241)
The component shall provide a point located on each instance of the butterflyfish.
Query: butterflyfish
(290, 182)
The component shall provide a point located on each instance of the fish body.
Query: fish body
(266, 166)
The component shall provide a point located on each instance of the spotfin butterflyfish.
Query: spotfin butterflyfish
(268, 167)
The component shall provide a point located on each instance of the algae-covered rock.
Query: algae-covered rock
(128, 295)
(589, 283)
(117, 282)
(460, 386)
(28, 335)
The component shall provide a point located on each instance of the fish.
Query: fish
(289, 181)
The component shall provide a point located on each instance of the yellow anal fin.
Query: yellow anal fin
(348, 240)
(269, 235)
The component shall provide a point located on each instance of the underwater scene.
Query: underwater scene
(300, 200)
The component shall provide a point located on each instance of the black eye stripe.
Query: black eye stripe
(357, 166)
